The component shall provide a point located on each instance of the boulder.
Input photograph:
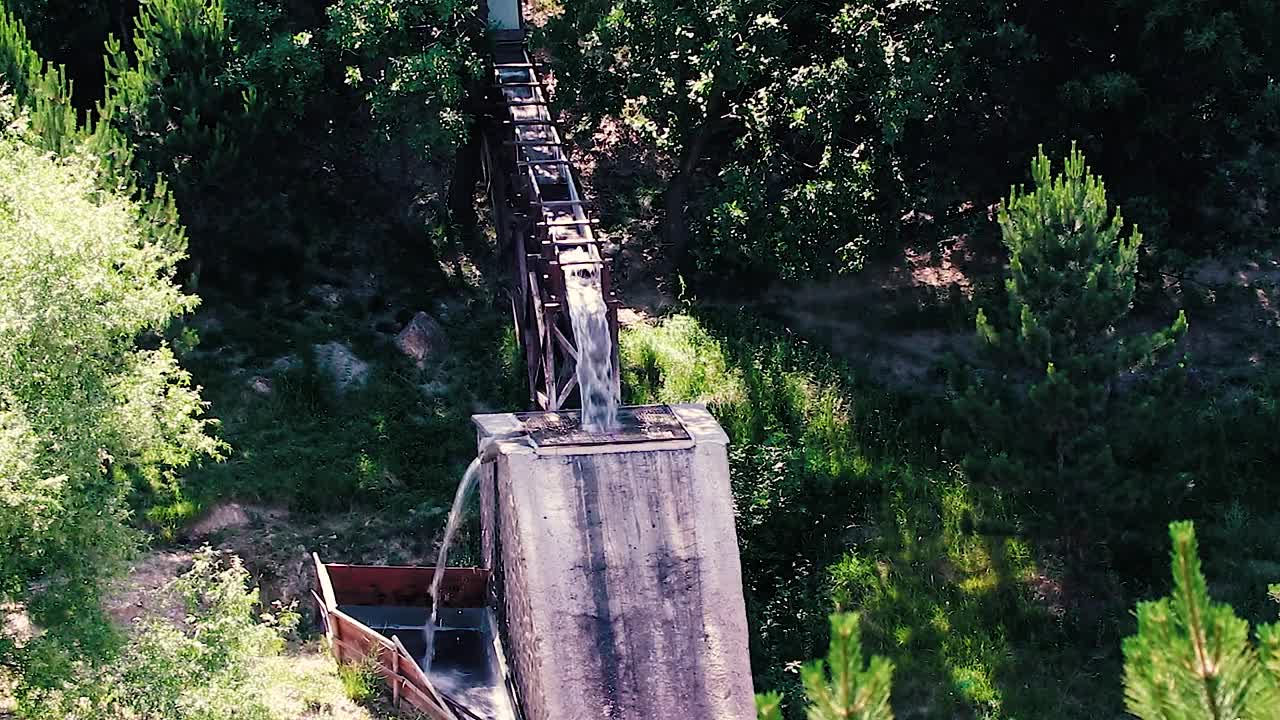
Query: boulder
(327, 295)
(342, 366)
(284, 364)
(260, 385)
(422, 338)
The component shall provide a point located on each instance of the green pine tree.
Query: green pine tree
(844, 686)
(1048, 392)
(44, 93)
(1192, 659)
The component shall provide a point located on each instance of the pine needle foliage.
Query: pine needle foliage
(51, 120)
(1192, 658)
(1053, 362)
(844, 686)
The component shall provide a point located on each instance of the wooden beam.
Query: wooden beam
(564, 343)
(562, 203)
(549, 161)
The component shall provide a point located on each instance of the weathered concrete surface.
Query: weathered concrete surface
(622, 586)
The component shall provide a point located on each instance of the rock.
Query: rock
(221, 517)
(284, 364)
(422, 338)
(327, 295)
(260, 385)
(346, 370)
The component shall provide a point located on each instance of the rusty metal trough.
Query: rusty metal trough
(376, 614)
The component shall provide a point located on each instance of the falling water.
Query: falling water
(451, 529)
(590, 319)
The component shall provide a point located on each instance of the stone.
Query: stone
(260, 385)
(327, 295)
(342, 366)
(434, 388)
(422, 338)
(284, 364)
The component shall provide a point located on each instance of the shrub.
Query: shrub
(85, 407)
(204, 670)
(1056, 357)
(414, 62)
(359, 680)
(845, 685)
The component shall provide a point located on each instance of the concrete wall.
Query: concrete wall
(622, 582)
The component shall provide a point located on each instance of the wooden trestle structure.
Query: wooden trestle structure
(540, 214)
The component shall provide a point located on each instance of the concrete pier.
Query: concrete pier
(616, 566)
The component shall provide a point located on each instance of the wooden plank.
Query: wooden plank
(562, 203)
(564, 343)
(417, 679)
(322, 611)
(326, 584)
(423, 702)
(395, 676)
(548, 357)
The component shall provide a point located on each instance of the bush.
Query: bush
(844, 686)
(1056, 358)
(90, 400)
(415, 63)
(207, 669)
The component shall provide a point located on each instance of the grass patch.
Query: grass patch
(401, 440)
(845, 501)
(359, 680)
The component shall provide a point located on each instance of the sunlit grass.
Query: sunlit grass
(307, 683)
(845, 503)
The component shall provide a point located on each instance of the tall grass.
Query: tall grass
(846, 502)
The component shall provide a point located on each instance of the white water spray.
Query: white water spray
(590, 319)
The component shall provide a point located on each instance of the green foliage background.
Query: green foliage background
(991, 534)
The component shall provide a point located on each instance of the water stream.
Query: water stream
(442, 560)
(590, 319)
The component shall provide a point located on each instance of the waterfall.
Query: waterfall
(590, 319)
(442, 560)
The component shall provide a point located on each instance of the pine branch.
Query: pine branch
(1191, 658)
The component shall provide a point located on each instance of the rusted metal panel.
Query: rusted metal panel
(403, 585)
